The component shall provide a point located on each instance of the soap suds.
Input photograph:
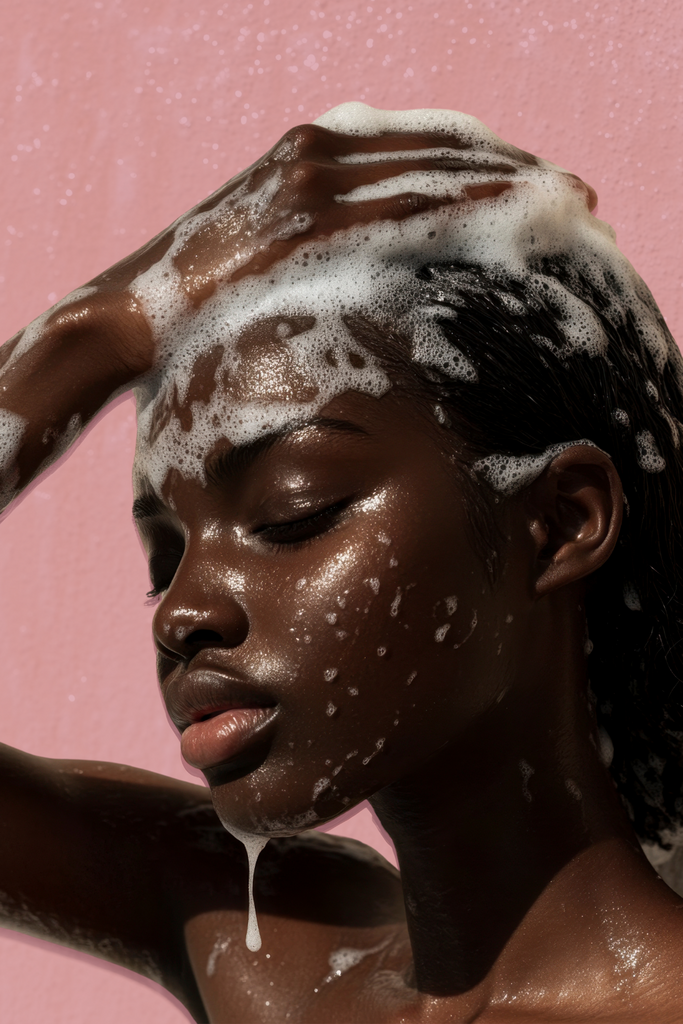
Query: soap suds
(342, 960)
(253, 844)
(12, 430)
(494, 208)
(220, 946)
(274, 347)
(320, 786)
(473, 626)
(508, 474)
(649, 457)
(606, 748)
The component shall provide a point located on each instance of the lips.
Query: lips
(222, 719)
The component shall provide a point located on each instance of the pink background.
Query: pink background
(116, 117)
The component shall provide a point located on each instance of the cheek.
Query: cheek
(377, 632)
(378, 648)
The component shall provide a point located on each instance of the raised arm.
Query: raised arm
(121, 328)
(98, 857)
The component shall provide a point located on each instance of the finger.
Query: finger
(395, 208)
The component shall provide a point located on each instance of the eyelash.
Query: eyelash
(159, 589)
(317, 522)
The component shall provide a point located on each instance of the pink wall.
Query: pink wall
(119, 116)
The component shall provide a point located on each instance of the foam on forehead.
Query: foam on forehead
(495, 208)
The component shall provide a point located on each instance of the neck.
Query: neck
(492, 823)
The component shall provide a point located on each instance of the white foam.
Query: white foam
(219, 947)
(649, 456)
(12, 430)
(631, 598)
(319, 787)
(369, 270)
(253, 844)
(342, 960)
(606, 747)
(493, 209)
(508, 474)
(473, 626)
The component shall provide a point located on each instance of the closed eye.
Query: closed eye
(300, 531)
(163, 566)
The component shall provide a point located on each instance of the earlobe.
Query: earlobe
(574, 512)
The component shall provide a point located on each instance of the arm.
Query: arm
(102, 339)
(102, 858)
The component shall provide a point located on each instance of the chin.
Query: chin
(244, 814)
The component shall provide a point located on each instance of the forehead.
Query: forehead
(353, 431)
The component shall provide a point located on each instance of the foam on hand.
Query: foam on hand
(258, 303)
(12, 430)
(493, 207)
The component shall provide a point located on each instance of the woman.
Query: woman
(390, 383)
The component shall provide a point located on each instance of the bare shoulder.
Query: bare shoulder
(312, 876)
(143, 873)
(324, 904)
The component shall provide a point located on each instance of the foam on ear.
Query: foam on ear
(509, 474)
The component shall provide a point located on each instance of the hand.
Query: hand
(94, 344)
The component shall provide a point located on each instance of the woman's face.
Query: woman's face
(326, 624)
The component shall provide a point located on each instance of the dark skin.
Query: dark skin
(523, 894)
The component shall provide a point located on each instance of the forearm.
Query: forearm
(59, 373)
(84, 853)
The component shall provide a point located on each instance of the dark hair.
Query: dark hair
(534, 390)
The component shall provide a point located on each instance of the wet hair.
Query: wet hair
(535, 390)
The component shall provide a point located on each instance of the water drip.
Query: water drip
(253, 845)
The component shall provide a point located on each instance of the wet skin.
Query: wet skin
(526, 895)
(487, 775)
(331, 574)
(92, 347)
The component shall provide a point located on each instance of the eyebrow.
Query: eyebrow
(225, 465)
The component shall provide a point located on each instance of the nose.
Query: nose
(200, 609)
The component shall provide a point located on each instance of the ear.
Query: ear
(574, 511)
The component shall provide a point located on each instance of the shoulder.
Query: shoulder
(316, 896)
(334, 878)
(311, 876)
